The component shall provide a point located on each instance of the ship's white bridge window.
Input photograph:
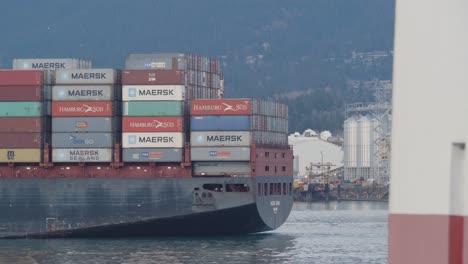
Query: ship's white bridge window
(215, 187)
(237, 187)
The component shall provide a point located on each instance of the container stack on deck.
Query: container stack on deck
(153, 123)
(84, 105)
(22, 117)
(134, 123)
(202, 76)
(226, 133)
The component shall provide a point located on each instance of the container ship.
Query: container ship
(153, 149)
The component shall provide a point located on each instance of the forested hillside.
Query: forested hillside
(315, 55)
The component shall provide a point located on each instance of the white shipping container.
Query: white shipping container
(82, 155)
(51, 64)
(86, 76)
(83, 93)
(220, 138)
(153, 140)
(153, 92)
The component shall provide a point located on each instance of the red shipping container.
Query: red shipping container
(21, 78)
(20, 140)
(20, 93)
(152, 124)
(153, 77)
(20, 124)
(82, 109)
(221, 107)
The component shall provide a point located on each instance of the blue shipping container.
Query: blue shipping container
(224, 123)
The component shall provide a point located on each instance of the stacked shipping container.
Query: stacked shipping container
(223, 131)
(22, 121)
(202, 76)
(153, 116)
(84, 115)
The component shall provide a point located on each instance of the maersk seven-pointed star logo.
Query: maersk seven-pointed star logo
(132, 92)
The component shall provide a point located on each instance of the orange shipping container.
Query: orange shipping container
(82, 109)
(152, 124)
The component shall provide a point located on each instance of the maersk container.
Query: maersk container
(51, 64)
(153, 108)
(82, 155)
(220, 138)
(220, 153)
(153, 140)
(221, 168)
(20, 109)
(223, 123)
(82, 140)
(87, 76)
(83, 93)
(21, 140)
(20, 93)
(153, 93)
(21, 78)
(153, 155)
(20, 155)
(84, 124)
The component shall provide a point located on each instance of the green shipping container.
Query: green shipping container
(20, 109)
(153, 108)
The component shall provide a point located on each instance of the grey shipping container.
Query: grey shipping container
(87, 76)
(221, 168)
(51, 64)
(164, 61)
(82, 140)
(83, 93)
(82, 155)
(84, 124)
(153, 155)
(220, 138)
(220, 153)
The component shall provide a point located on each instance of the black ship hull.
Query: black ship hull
(51, 208)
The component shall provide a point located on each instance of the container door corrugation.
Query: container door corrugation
(82, 155)
(153, 108)
(21, 93)
(21, 140)
(153, 93)
(21, 78)
(223, 123)
(21, 124)
(153, 124)
(83, 93)
(153, 155)
(153, 140)
(21, 109)
(220, 139)
(84, 124)
(220, 153)
(8, 155)
(87, 76)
